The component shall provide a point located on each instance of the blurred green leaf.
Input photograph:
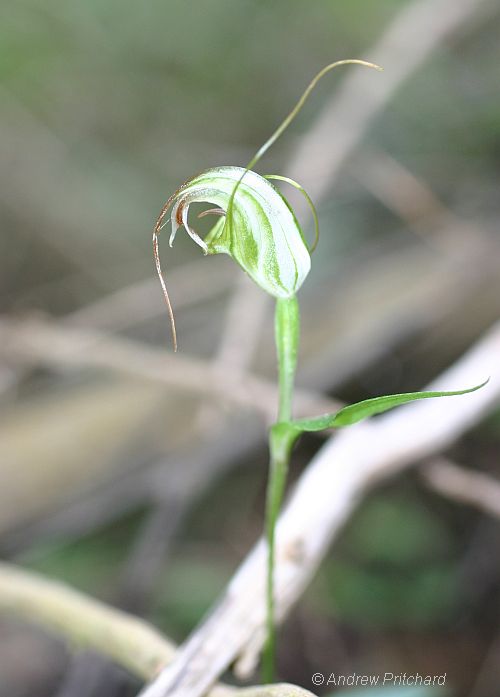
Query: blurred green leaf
(187, 591)
(396, 530)
(92, 563)
(392, 568)
(384, 598)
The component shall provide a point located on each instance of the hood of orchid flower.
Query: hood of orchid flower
(256, 226)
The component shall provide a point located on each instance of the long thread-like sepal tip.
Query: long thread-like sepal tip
(156, 255)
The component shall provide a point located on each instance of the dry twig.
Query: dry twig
(410, 39)
(86, 622)
(472, 488)
(338, 476)
(61, 346)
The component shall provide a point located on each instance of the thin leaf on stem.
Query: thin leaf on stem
(353, 413)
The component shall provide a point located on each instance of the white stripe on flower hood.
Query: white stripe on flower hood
(261, 232)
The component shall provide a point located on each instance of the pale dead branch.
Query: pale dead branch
(190, 283)
(409, 197)
(463, 486)
(238, 341)
(241, 334)
(410, 39)
(352, 462)
(85, 622)
(61, 346)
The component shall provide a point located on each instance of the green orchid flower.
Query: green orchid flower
(259, 230)
(258, 227)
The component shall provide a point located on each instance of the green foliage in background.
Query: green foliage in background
(393, 568)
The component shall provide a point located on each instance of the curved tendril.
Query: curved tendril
(302, 100)
(159, 225)
(309, 203)
(156, 255)
(260, 152)
(291, 116)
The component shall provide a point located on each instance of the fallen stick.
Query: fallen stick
(477, 489)
(86, 622)
(349, 464)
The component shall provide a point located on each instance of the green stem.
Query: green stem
(287, 324)
(286, 328)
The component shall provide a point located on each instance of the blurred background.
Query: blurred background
(124, 471)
